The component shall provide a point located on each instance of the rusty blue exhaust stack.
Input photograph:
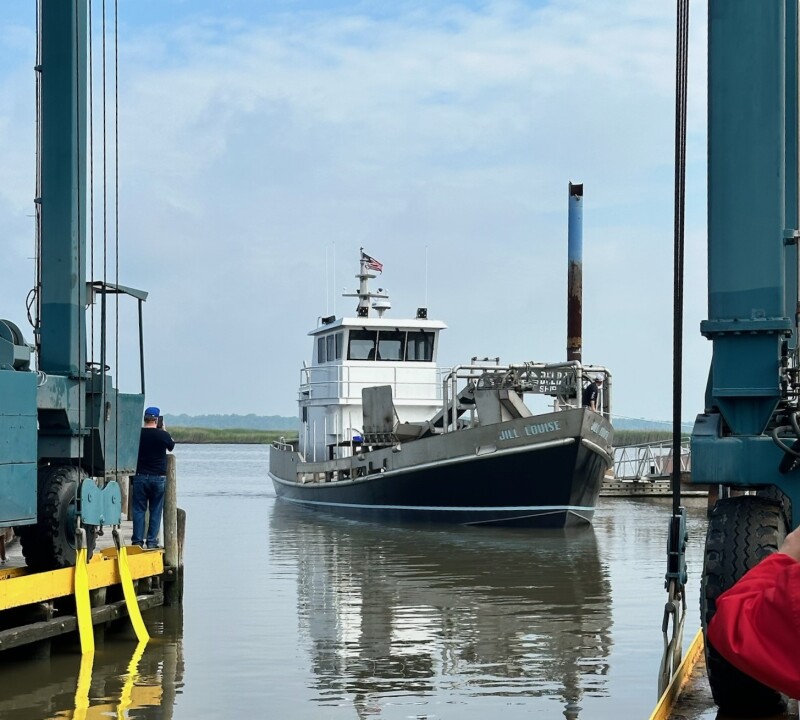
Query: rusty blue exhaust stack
(575, 274)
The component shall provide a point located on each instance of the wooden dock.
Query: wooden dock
(37, 607)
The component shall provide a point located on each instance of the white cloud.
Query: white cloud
(247, 150)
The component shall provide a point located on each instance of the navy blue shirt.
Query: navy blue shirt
(589, 394)
(153, 446)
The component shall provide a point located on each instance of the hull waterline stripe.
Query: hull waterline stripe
(523, 517)
(547, 509)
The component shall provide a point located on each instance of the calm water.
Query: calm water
(292, 614)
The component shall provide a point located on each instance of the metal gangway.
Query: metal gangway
(650, 461)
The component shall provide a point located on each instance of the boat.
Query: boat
(387, 435)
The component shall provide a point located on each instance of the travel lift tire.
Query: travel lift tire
(742, 531)
(50, 543)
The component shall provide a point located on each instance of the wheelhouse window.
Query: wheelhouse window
(391, 345)
(362, 345)
(419, 346)
(329, 347)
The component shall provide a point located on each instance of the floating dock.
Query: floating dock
(646, 487)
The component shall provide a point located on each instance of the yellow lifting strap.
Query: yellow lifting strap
(83, 687)
(130, 594)
(82, 604)
(130, 680)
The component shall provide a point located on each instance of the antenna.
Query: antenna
(327, 289)
(426, 276)
(333, 281)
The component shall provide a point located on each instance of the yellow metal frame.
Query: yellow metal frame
(679, 679)
(19, 586)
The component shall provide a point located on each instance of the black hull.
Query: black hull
(532, 487)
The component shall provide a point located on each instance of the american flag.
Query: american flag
(372, 263)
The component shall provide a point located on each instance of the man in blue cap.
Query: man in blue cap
(150, 478)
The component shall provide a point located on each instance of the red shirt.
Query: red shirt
(757, 624)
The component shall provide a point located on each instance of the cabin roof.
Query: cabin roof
(374, 323)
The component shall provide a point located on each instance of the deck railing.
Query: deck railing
(650, 460)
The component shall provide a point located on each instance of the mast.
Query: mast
(382, 303)
(364, 276)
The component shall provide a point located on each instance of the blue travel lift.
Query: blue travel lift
(746, 443)
(66, 432)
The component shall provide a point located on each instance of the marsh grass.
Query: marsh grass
(233, 436)
(190, 435)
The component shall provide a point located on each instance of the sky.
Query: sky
(262, 144)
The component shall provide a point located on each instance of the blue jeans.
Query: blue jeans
(147, 490)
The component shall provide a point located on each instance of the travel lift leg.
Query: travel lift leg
(739, 441)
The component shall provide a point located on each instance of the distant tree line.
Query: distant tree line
(641, 424)
(230, 422)
(237, 436)
(267, 428)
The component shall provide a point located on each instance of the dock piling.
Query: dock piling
(173, 537)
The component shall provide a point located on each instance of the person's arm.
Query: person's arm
(757, 623)
(170, 442)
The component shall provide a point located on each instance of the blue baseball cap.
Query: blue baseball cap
(152, 412)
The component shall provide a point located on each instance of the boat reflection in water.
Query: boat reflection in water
(121, 680)
(395, 614)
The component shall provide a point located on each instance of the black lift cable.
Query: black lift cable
(116, 222)
(681, 81)
(675, 581)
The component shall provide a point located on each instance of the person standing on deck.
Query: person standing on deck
(756, 626)
(590, 393)
(151, 478)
